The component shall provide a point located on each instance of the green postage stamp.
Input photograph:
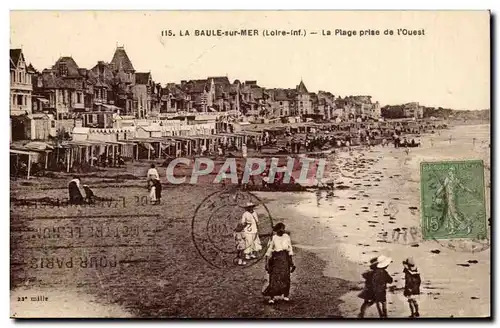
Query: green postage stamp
(453, 200)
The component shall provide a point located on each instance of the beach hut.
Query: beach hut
(17, 157)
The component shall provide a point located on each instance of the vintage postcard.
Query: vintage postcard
(250, 164)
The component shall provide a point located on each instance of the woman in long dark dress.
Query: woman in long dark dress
(279, 264)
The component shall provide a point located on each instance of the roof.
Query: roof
(121, 61)
(22, 152)
(37, 145)
(301, 88)
(283, 94)
(51, 81)
(73, 69)
(195, 86)
(15, 55)
(150, 128)
(39, 115)
(142, 78)
(220, 80)
(103, 72)
(31, 69)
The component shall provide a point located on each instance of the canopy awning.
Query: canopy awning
(147, 145)
(38, 145)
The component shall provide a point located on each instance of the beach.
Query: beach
(347, 230)
(334, 234)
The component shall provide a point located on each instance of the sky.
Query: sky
(448, 66)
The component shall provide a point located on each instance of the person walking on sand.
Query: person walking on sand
(155, 191)
(367, 293)
(152, 175)
(380, 279)
(412, 285)
(279, 265)
(250, 220)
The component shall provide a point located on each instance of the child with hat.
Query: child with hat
(239, 238)
(412, 285)
(380, 280)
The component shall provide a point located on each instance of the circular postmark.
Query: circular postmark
(213, 229)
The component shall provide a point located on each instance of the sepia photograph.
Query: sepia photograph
(250, 164)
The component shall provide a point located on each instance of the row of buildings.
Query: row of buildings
(66, 89)
(56, 96)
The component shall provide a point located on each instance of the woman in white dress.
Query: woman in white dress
(244, 150)
(250, 220)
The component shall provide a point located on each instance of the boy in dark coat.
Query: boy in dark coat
(380, 280)
(412, 285)
(367, 293)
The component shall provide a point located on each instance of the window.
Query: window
(53, 124)
(20, 99)
(63, 69)
(21, 77)
(78, 98)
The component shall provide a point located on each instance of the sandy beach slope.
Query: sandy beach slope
(162, 275)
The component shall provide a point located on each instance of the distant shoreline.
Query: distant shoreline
(468, 122)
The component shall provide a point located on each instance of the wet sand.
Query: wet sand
(381, 199)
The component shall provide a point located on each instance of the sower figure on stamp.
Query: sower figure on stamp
(446, 194)
(252, 240)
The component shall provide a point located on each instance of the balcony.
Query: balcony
(21, 86)
(16, 110)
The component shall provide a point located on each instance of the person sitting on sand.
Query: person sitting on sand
(89, 195)
(367, 293)
(279, 264)
(75, 191)
(412, 285)
(380, 279)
